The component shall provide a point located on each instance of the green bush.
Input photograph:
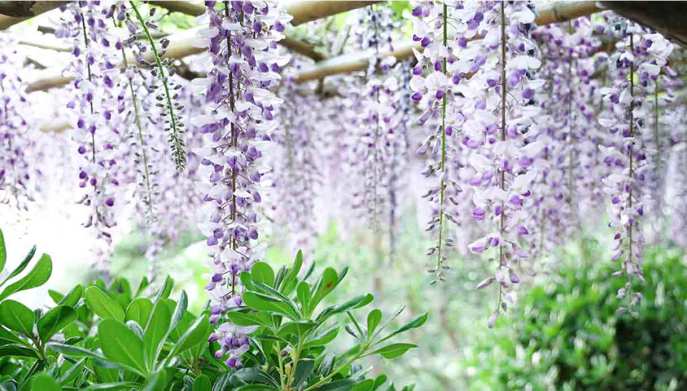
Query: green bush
(112, 337)
(567, 333)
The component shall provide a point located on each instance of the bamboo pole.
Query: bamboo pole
(559, 11)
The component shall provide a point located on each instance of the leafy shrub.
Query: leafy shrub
(568, 333)
(110, 336)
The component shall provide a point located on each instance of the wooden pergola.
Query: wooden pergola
(665, 17)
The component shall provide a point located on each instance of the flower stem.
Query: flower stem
(175, 137)
(442, 164)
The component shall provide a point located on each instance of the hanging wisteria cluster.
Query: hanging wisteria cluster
(521, 135)
(242, 43)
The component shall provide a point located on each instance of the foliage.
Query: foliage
(110, 336)
(568, 333)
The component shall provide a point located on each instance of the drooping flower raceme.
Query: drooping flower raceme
(17, 171)
(635, 67)
(242, 40)
(97, 116)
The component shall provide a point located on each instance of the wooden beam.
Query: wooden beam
(559, 11)
(185, 43)
(13, 12)
(302, 48)
(184, 7)
(666, 17)
(309, 10)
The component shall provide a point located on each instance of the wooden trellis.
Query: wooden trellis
(184, 44)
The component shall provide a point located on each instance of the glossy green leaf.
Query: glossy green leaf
(323, 339)
(304, 369)
(202, 383)
(356, 302)
(241, 318)
(262, 302)
(17, 350)
(36, 277)
(157, 382)
(20, 268)
(54, 320)
(79, 352)
(394, 350)
(373, 319)
(179, 310)
(303, 296)
(121, 345)
(16, 316)
(139, 310)
(365, 385)
(197, 333)
(155, 332)
(55, 296)
(3, 252)
(142, 286)
(71, 299)
(44, 382)
(325, 286)
(7, 336)
(103, 305)
(166, 289)
(413, 324)
(262, 272)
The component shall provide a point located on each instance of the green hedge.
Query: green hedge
(568, 335)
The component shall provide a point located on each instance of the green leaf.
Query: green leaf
(17, 350)
(7, 336)
(166, 289)
(179, 311)
(103, 305)
(304, 369)
(142, 286)
(54, 320)
(394, 350)
(241, 318)
(325, 286)
(356, 302)
(44, 382)
(121, 345)
(155, 332)
(36, 277)
(413, 324)
(338, 385)
(323, 338)
(202, 383)
(120, 291)
(24, 263)
(72, 298)
(365, 385)
(16, 316)
(197, 333)
(139, 310)
(73, 371)
(157, 382)
(55, 296)
(262, 302)
(373, 319)
(3, 252)
(262, 272)
(79, 352)
(303, 296)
